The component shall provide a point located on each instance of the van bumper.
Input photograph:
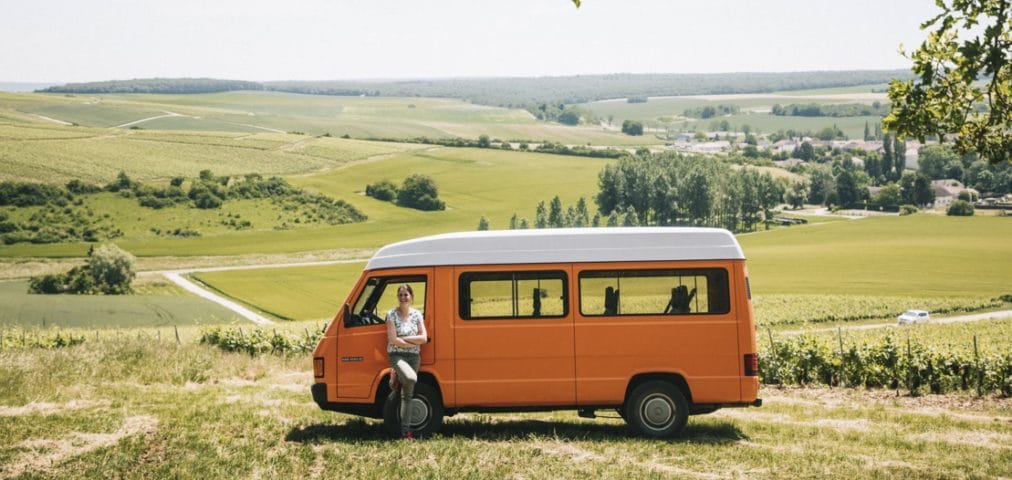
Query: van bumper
(370, 410)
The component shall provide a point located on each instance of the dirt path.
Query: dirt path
(167, 115)
(48, 119)
(976, 317)
(176, 276)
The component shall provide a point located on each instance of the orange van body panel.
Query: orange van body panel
(558, 361)
(523, 362)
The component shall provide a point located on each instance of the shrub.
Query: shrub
(960, 208)
(28, 194)
(632, 127)
(384, 190)
(79, 187)
(420, 192)
(205, 199)
(112, 269)
(52, 283)
(907, 209)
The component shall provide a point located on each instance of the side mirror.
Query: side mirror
(347, 315)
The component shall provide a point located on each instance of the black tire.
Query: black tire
(427, 412)
(657, 409)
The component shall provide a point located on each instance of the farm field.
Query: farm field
(153, 305)
(118, 405)
(916, 255)
(57, 154)
(667, 112)
(257, 112)
(301, 293)
(799, 275)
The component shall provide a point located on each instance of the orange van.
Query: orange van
(653, 322)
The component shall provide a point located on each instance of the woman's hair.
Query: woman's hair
(408, 288)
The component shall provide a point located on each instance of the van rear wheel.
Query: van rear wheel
(657, 409)
(426, 411)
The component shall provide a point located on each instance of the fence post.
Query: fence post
(910, 368)
(773, 356)
(843, 362)
(176, 328)
(976, 363)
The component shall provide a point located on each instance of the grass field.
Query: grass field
(916, 255)
(126, 407)
(158, 305)
(798, 274)
(472, 182)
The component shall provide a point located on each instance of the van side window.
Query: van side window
(654, 292)
(380, 295)
(486, 295)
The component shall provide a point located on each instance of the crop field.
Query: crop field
(59, 154)
(151, 306)
(300, 293)
(782, 310)
(359, 117)
(122, 406)
(994, 336)
(667, 112)
(925, 256)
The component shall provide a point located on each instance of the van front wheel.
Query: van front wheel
(657, 409)
(426, 411)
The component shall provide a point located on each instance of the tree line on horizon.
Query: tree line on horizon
(545, 97)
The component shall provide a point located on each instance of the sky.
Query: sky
(56, 41)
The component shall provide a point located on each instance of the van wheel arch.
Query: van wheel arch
(673, 378)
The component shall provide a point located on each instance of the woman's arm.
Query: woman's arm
(422, 337)
(392, 337)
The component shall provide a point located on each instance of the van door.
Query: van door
(513, 336)
(362, 338)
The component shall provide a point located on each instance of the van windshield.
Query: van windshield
(380, 296)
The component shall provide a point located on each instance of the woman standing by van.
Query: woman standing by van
(405, 332)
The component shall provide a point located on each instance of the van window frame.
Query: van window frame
(371, 294)
(601, 272)
(465, 278)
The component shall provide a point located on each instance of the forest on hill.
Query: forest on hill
(540, 95)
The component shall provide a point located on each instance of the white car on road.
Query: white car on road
(913, 316)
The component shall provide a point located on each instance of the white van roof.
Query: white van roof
(563, 245)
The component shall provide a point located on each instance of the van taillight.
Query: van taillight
(751, 364)
(318, 367)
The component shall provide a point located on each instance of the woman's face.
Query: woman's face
(403, 295)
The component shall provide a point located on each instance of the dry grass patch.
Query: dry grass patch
(44, 455)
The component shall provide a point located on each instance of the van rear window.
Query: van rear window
(654, 292)
(492, 295)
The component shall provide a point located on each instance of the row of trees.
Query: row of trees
(834, 110)
(676, 189)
